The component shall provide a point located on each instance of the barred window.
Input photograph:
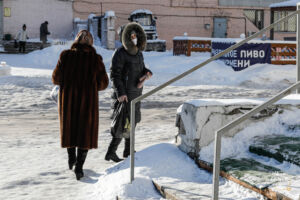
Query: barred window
(256, 17)
(286, 26)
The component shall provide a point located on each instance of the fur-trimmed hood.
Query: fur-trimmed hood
(141, 38)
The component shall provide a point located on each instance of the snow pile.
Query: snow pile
(271, 126)
(109, 13)
(162, 161)
(293, 99)
(291, 3)
(165, 66)
(238, 147)
(4, 69)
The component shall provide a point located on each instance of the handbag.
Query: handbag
(120, 125)
(54, 93)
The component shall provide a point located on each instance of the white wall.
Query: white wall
(58, 13)
(1, 19)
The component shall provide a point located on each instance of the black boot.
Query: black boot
(111, 152)
(126, 151)
(72, 157)
(81, 156)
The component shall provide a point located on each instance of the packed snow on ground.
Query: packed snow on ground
(33, 166)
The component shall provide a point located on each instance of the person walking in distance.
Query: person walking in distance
(128, 74)
(43, 33)
(80, 74)
(22, 37)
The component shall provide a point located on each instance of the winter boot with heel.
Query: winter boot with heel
(72, 157)
(81, 156)
(111, 152)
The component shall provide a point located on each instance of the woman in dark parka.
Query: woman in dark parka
(80, 73)
(128, 73)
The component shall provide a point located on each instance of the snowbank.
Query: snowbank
(271, 126)
(4, 69)
(293, 99)
(165, 66)
(162, 161)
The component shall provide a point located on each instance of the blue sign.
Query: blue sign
(243, 56)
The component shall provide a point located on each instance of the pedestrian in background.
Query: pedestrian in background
(80, 73)
(128, 74)
(22, 37)
(43, 33)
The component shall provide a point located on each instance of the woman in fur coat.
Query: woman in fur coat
(80, 73)
(127, 73)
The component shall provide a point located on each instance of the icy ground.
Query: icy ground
(33, 166)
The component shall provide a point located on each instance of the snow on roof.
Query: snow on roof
(155, 41)
(226, 40)
(291, 3)
(142, 11)
(91, 16)
(109, 13)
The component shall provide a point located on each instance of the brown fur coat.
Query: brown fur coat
(80, 73)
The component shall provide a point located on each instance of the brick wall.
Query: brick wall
(175, 16)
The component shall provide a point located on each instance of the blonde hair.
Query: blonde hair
(84, 37)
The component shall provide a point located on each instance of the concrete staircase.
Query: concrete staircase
(258, 172)
(9, 47)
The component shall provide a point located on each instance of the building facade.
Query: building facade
(199, 18)
(15, 13)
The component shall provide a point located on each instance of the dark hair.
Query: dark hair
(46, 22)
(24, 25)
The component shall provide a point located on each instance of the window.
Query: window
(287, 26)
(144, 20)
(256, 17)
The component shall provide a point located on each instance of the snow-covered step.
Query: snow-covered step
(174, 190)
(9, 47)
(257, 177)
(248, 173)
(280, 147)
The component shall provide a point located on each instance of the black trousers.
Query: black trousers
(22, 46)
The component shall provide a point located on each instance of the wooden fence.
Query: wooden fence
(185, 47)
(281, 53)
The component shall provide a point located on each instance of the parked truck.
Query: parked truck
(148, 22)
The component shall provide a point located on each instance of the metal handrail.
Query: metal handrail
(138, 99)
(244, 117)
(257, 109)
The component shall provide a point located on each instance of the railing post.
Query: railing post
(298, 46)
(132, 131)
(216, 167)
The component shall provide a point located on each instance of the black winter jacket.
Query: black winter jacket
(125, 72)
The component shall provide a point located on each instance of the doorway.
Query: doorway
(220, 27)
